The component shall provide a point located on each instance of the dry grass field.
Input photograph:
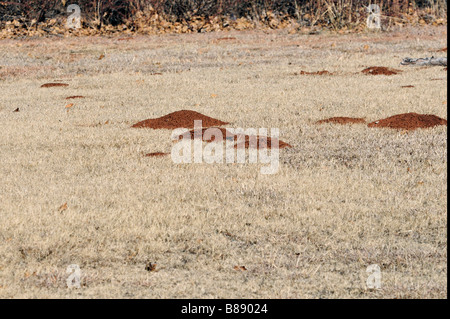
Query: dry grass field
(76, 188)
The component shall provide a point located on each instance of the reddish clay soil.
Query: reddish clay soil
(75, 97)
(179, 119)
(260, 142)
(407, 86)
(380, 70)
(155, 154)
(323, 72)
(409, 121)
(342, 120)
(49, 85)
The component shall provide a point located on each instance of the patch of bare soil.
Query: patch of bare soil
(179, 119)
(409, 121)
(342, 120)
(49, 85)
(380, 70)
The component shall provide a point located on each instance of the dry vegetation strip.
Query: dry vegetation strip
(73, 191)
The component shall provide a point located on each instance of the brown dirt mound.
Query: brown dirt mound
(75, 97)
(260, 142)
(323, 72)
(409, 121)
(342, 120)
(155, 154)
(49, 85)
(380, 70)
(179, 119)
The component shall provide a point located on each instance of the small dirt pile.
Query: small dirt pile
(179, 119)
(380, 70)
(49, 85)
(155, 154)
(409, 121)
(75, 97)
(342, 120)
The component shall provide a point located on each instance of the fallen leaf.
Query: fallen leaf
(213, 95)
(69, 105)
(150, 267)
(366, 47)
(63, 207)
(101, 56)
(239, 268)
(27, 274)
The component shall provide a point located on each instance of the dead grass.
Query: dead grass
(345, 197)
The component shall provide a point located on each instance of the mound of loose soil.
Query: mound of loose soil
(75, 97)
(260, 142)
(323, 72)
(155, 154)
(179, 119)
(49, 85)
(409, 121)
(380, 70)
(342, 120)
